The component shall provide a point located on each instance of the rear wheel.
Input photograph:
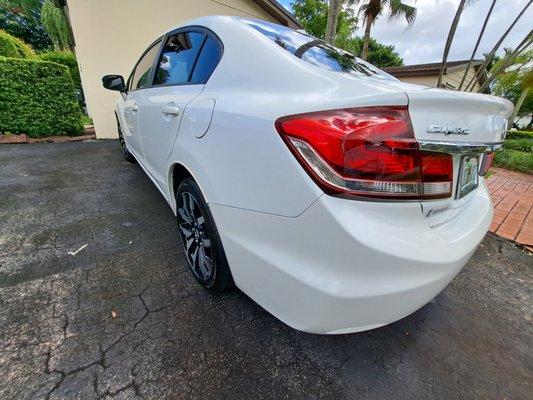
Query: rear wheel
(125, 151)
(201, 242)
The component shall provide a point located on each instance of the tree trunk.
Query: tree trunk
(71, 41)
(333, 15)
(449, 40)
(366, 38)
(487, 17)
(517, 107)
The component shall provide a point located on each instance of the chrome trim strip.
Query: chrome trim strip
(459, 147)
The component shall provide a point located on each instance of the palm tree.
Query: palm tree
(527, 83)
(372, 9)
(334, 9)
(492, 53)
(449, 39)
(487, 17)
(509, 59)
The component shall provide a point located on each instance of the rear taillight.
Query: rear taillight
(486, 163)
(366, 152)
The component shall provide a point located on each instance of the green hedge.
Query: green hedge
(10, 46)
(37, 98)
(519, 135)
(514, 160)
(67, 59)
(525, 145)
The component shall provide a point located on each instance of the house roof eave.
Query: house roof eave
(279, 12)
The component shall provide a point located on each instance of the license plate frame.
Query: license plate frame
(468, 177)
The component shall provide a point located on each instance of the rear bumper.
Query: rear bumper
(346, 266)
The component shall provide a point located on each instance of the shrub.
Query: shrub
(519, 135)
(10, 46)
(37, 98)
(514, 160)
(86, 120)
(67, 59)
(525, 145)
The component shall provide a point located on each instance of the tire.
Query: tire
(125, 151)
(200, 239)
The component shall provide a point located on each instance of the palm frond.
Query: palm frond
(372, 8)
(398, 10)
(351, 3)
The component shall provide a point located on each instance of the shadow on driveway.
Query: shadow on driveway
(123, 317)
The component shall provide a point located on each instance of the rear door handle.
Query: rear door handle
(171, 111)
(134, 109)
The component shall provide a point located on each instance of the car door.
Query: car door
(139, 79)
(162, 106)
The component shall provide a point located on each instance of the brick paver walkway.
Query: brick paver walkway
(512, 194)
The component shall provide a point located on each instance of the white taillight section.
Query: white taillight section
(436, 188)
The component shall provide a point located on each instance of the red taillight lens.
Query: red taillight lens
(486, 163)
(366, 151)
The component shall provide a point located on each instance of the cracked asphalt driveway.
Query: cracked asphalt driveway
(124, 318)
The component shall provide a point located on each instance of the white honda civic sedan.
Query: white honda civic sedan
(337, 197)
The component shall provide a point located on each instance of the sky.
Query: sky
(424, 41)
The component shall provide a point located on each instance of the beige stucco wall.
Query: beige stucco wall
(110, 36)
(452, 78)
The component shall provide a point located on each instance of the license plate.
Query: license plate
(468, 175)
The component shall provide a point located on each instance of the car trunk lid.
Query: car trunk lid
(457, 117)
(466, 125)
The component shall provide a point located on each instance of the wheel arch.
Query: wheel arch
(178, 172)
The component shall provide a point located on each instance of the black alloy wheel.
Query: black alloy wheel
(201, 242)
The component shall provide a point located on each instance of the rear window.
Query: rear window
(207, 61)
(316, 51)
(178, 58)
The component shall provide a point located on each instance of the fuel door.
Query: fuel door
(200, 115)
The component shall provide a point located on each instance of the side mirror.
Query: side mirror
(114, 82)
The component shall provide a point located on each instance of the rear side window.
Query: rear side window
(315, 51)
(178, 58)
(141, 75)
(207, 61)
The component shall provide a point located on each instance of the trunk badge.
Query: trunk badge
(448, 130)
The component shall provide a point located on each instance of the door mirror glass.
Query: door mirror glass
(114, 82)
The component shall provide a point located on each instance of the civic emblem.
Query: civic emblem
(448, 130)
